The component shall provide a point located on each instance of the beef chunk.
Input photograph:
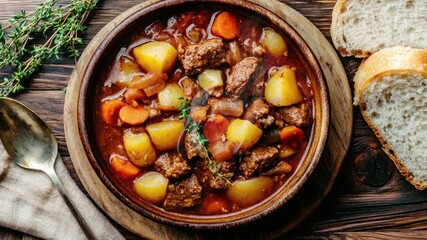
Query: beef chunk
(216, 91)
(216, 175)
(257, 88)
(298, 115)
(199, 114)
(258, 113)
(260, 159)
(190, 88)
(208, 54)
(172, 165)
(192, 148)
(241, 76)
(186, 193)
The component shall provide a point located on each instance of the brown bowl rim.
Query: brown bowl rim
(225, 220)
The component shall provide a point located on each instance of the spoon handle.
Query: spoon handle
(82, 222)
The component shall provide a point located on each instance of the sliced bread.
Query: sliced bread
(391, 90)
(362, 27)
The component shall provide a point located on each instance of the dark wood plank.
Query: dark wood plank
(369, 197)
(415, 235)
(318, 12)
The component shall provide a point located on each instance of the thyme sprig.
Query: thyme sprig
(185, 109)
(213, 166)
(192, 126)
(59, 24)
(200, 138)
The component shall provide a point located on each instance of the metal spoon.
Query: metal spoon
(32, 145)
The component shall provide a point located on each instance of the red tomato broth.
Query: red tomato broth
(110, 137)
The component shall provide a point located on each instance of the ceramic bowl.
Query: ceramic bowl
(111, 44)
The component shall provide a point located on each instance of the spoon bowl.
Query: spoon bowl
(31, 144)
(26, 138)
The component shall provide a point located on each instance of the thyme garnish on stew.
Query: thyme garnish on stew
(201, 140)
(185, 109)
(59, 24)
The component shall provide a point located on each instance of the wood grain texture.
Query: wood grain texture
(355, 208)
(414, 235)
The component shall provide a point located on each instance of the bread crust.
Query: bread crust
(339, 8)
(390, 61)
(339, 39)
(404, 171)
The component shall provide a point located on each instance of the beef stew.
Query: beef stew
(202, 117)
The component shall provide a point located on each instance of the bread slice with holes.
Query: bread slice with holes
(362, 27)
(391, 90)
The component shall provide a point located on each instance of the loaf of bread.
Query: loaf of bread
(391, 90)
(362, 27)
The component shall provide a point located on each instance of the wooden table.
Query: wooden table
(369, 199)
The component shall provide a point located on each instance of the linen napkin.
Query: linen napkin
(29, 203)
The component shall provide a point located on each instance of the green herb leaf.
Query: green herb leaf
(192, 126)
(61, 26)
(184, 108)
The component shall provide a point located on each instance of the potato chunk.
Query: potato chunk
(243, 133)
(210, 78)
(274, 43)
(139, 148)
(156, 57)
(282, 89)
(165, 135)
(151, 187)
(171, 96)
(251, 191)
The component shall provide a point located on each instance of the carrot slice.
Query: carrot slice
(215, 127)
(291, 133)
(225, 26)
(110, 110)
(214, 206)
(124, 168)
(133, 115)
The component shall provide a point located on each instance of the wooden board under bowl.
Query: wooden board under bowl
(274, 225)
